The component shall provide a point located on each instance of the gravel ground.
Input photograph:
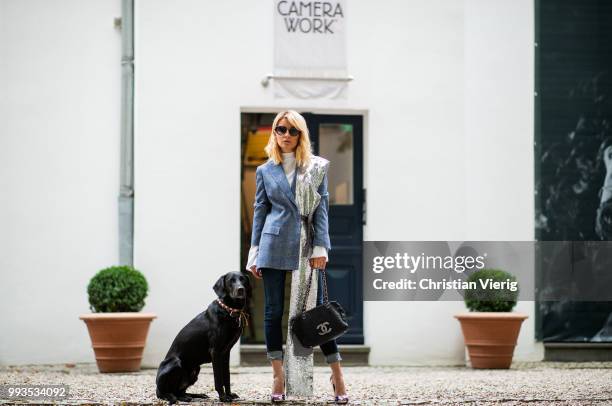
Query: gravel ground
(537, 383)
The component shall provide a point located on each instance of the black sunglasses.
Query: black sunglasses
(281, 130)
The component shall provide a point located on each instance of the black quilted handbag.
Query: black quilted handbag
(323, 323)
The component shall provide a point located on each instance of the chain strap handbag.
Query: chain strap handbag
(321, 324)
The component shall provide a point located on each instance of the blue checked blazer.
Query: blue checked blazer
(277, 222)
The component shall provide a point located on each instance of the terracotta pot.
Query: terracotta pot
(491, 337)
(118, 339)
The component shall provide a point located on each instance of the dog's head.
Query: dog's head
(236, 285)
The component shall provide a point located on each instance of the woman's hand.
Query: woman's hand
(318, 262)
(256, 272)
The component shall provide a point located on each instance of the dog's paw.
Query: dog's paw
(169, 397)
(197, 395)
(185, 398)
(227, 397)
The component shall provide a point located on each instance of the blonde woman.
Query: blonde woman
(275, 241)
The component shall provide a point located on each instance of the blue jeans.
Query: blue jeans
(274, 290)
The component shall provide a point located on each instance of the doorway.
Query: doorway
(338, 138)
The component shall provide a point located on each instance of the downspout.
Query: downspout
(126, 189)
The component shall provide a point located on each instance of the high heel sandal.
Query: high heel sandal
(278, 397)
(338, 399)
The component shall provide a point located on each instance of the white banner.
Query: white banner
(310, 49)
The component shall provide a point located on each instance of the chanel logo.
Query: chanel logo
(323, 328)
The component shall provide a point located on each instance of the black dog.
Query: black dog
(207, 338)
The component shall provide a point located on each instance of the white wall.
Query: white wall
(499, 130)
(472, 162)
(415, 176)
(445, 87)
(59, 171)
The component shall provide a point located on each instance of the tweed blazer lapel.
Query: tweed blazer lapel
(278, 174)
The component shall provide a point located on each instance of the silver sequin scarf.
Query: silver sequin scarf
(298, 360)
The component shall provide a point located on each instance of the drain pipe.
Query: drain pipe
(126, 189)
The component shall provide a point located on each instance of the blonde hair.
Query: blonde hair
(303, 151)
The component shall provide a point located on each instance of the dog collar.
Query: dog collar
(242, 315)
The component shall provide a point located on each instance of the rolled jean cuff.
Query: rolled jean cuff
(274, 355)
(330, 358)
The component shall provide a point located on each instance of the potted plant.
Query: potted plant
(118, 332)
(490, 329)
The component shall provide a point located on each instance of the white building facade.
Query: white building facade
(445, 89)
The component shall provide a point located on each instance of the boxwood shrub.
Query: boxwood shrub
(117, 289)
(490, 300)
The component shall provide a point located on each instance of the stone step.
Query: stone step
(578, 352)
(352, 355)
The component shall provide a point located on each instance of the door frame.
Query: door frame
(364, 114)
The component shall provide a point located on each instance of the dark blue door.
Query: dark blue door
(339, 138)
